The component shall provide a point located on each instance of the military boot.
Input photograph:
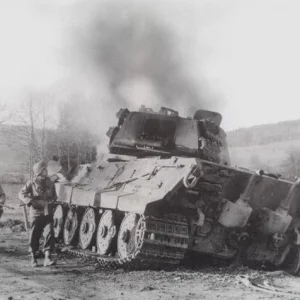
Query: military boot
(48, 261)
(34, 262)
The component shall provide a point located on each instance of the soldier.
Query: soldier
(2, 200)
(37, 194)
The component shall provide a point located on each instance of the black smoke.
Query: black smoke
(125, 42)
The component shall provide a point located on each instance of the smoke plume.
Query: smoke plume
(137, 57)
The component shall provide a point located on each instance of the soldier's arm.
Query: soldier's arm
(25, 195)
(54, 195)
(53, 190)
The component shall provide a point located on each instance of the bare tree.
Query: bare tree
(4, 112)
(43, 123)
(24, 136)
(37, 134)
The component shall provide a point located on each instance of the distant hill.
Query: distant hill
(275, 147)
(265, 134)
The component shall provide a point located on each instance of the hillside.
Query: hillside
(265, 134)
(274, 147)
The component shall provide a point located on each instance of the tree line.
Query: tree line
(39, 133)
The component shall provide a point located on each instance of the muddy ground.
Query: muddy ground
(75, 278)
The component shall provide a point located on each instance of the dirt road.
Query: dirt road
(74, 278)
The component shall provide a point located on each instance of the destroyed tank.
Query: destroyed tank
(167, 193)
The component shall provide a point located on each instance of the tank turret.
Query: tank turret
(147, 133)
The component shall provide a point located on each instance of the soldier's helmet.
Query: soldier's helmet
(39, 167)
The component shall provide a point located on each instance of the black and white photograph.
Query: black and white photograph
(149, 149)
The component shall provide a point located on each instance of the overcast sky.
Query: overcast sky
(246, 51)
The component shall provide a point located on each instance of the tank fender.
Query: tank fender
(64, 192)
(109, 200)
(85, 197)
(278, 221)
(136, 204)
(123, 201)
(271, 222)
(237, 214)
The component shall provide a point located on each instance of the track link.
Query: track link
(159, 243)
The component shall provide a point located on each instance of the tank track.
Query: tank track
(162, 243)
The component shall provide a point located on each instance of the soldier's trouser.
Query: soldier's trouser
(41, 225)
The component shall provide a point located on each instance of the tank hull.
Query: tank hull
(187, 205)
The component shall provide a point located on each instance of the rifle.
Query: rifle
(25, 216)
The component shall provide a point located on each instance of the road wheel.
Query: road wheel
(87, 228)
(107, 233)
(71, 227)
(58, 222)
(127, 235)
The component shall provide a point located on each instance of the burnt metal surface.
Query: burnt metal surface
(146, 133)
